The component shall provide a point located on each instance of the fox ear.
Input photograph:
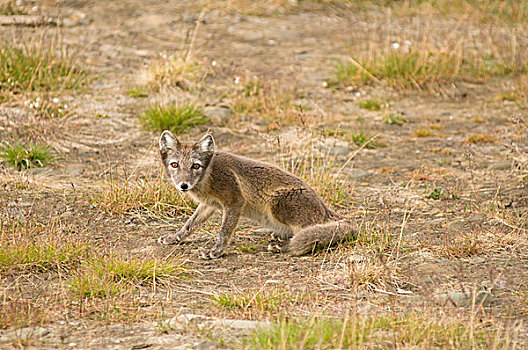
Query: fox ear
(168, 141)
(206, 143)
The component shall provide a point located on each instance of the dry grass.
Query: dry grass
(253, 8)
(153, 196)
(38, 67)
(320, 173)
(518, 93)
(173, 71)
(423, 65)
(481, 138)
(104, 276)
(172, 116)
(81, 267)
(407, 330)
(266, 102)
(11, 7)
(255, 303)
(33, 247)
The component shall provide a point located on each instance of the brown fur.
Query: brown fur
(259, 191)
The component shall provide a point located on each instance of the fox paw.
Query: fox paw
(274, 248)
(170, 239)
(276, 237)
(210, 254)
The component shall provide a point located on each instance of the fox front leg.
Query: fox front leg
(230, 219)
(200, 215)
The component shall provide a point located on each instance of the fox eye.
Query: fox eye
(174, 165)
(196, 166)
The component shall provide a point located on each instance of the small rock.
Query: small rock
(477, 260)
(435, 222)
(501, 165)
(272, 282)
(466, 299)
(239, 324)
(36, 171)
(493, 285)
(335, 147)
(355, 174)
(245, 35)
(186, 318)
(28, 333)
(75, 168)
(205, 345)
(218, 115)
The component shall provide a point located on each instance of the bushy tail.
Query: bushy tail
(321, 235)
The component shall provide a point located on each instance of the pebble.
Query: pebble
(501, 165)
(465, 299)
(239, 324)
(27, 333)
(218, 115)
(355, 173)
(245, 35)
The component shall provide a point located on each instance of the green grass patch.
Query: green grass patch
(250, 249)
(25, 156)
(371, 105)
(261, 301)
(138, 91)
(508, 12)
(110, 275)
(423, 69)
(394, 119)
(360, 138)
(423, 133)
(400, 331)
(173, 117)
(34, 68)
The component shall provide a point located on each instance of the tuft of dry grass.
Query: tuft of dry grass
(19, 312)
(155, 196)
(38, 68)
(262, 301)
(518, 93)
(320, 173)
(265, 101)
(11, 8)
(35, 247)
(173, 71)
(104, 276)
(481, 138)
(174, 117)
(422, 133)
(252, 8)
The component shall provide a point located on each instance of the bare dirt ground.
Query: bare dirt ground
(453, 211)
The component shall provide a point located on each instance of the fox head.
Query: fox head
(186, 162)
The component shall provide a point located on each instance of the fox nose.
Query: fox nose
(184, 186)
